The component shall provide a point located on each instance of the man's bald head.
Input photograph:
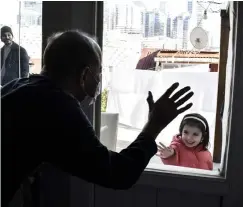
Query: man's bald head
(68, 52)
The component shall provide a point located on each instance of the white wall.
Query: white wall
(128, 93)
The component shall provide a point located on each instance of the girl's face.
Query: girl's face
(191, 136)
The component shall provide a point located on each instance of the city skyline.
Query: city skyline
(135, 18)
(157, 34)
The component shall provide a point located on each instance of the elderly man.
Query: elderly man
(42, 120)
(14, 58)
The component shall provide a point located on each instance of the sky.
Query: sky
(181, 5)
(7, 17)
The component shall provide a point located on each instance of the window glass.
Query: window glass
(31, 32)
(21, 32)
(147, 47)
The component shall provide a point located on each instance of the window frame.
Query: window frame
(224, 42)
(218, 185)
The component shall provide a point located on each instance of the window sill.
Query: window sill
(185, 181)
(184, 170)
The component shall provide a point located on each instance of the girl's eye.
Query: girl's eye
(195, 134)
(185, 132)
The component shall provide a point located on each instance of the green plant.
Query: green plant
(104, 96)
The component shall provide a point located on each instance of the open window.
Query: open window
(149, 47)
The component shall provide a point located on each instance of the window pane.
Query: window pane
(31, 32)
(10, 67)
(20, 39)
(147, 47)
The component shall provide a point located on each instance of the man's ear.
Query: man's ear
(84, 73)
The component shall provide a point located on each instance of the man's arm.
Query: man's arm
(24, 63)
(76, 149)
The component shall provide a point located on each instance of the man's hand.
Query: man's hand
(150, 101)
(166, 108)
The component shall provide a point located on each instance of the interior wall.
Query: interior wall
(148, 196)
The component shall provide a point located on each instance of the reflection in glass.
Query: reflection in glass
(15, 60)
(20, 39)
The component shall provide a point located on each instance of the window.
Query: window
(24, 21)
(148, 47)
(31, 32)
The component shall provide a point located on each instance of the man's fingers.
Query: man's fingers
(150, 100)
(184, 99)
(183, 109)
(150, 96)
(180, 93)
(170, 90)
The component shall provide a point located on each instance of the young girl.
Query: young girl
(189, 147)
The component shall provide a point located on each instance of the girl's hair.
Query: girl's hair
(197, 120)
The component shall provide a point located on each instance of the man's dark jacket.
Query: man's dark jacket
(16, 64)
(41, 123)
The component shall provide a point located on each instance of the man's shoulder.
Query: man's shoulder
(37, 88)
(39, 99)
(17, 46)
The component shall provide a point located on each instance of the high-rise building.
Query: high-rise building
(149, 24)
(190, 6)
(155, 23)
(31, 14)
(125, 17)
(169, 27)
(200, 15)
(195, 11)
(160, 22)
(143, 22)
(174, 27)
(128, 18)
(186, 22)
(177, 30)
(33, 5)
(106, 17)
